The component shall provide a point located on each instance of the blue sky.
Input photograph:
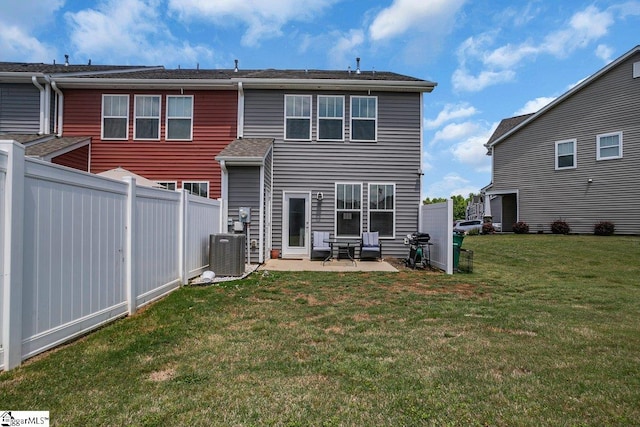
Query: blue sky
(492, 59)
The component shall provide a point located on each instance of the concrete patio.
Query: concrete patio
(333, 265)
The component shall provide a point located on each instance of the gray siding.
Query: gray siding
(244, 191)
(19, 108)
(526, 160)
(316, 166)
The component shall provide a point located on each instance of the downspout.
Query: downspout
(57, 128)
(240, 111)
(261, 257)
(34, 80)
(60, 108)
(224, 190)
(47, 110)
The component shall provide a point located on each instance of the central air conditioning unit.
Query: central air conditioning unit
(227, 254)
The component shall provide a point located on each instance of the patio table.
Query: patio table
(342, 245)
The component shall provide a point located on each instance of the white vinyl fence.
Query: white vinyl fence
(437, 220)
(78, 250)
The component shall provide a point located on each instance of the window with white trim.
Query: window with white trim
(566, 154)
(179, 118)
(382, 211)
(297, 117)
(609, 146)
(147, 117)
(348, 210)
(169, 185)
(199, 188)
(330, 118)
(115, 117)
(364, 118)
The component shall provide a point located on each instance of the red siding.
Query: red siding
(77, 159)
(214, 127)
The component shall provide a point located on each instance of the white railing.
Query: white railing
(78, 250)
(437, 220)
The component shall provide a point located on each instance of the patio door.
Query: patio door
(296, 212)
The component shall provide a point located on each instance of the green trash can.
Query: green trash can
(457, 244)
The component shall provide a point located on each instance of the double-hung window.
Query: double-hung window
(147, 117)
(330, 118)
(297, 117)
(115, 116)
(348, 210)
(609, 146)
(179, 118)
(364, 118)
(382, 209)
(199, 188)
(566, 154)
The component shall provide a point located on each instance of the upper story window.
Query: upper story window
(297, 117)
(566, 154)
(348, 210)
(382, 209)
(364, 118)
(115, 116)
(330, 118)
(147, 117)
(179, 118)
(609, 146)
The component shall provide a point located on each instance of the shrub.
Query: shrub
(520, 227)
(487, 228)
(473, 232)
(604, 228)
(560, 227)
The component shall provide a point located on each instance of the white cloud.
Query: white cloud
(262, 19)
(452, 184)
(413, 15)
(463, 81)
(472, 152)
(451, 112)
(498, 65)
(605, 53)
(343, 47)
(18, 26)
(456, 131)
(129, 31)
(534, 105)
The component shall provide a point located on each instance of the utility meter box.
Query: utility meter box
(245, 215)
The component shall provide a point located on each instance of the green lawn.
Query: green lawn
(546, 331)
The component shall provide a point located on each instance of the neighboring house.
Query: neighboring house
(577, 159)
(334, 151)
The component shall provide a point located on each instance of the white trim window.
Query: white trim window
(115, 117)
(566, 156)
(330, 118)
(169, 185)
(609, 146)
(348, 209)
(199, 188)
(179, 125)
(146, 124)
(297, 117)
(382, 209)
(364, 118)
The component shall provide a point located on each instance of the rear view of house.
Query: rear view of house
(577, 159)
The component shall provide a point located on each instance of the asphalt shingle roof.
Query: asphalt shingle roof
(246, 148)
(506, 125)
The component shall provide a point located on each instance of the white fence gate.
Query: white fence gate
(78, 250)
(437, 220)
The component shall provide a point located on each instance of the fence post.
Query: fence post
(132, 294)
(182, 237)
(13, 253)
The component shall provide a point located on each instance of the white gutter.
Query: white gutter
(59, 108)
(240, 123)
(34, 80)
(397, 86)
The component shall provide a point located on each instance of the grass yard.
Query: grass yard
(546, 331)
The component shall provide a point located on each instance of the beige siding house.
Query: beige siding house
(577, 159)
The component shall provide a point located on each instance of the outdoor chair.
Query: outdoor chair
(371, 246)
(320, 249)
